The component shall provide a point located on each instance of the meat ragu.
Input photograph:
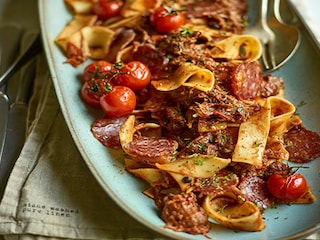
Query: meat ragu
(207, 143)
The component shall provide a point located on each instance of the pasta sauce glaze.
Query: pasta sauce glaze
(182, 111)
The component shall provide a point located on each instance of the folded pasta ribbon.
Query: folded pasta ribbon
(150, 175)
(188, 75)
(155, 175)
(196, 165)
(237, 47)
(233, 211)
(269, 124)
(75, 25)
(131, 8)
(87, 40)
(208, 33)
(128, 129)
(281, 113)
(80, 6)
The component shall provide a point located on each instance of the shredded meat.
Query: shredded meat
(182, 213)
(222, 181)
(219, 14)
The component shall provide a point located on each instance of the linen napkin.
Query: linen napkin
(51, 192)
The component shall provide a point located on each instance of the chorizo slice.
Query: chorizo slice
(247, 80)
(254, 189)
(151, 150)
(106, 130)
(302, 144)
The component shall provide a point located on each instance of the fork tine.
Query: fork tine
(267, 59)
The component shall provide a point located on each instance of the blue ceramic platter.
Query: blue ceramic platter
(302, 79)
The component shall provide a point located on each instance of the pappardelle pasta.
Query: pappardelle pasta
(186, 101)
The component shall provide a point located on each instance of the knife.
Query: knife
(10, 38)
(4, 108)
(19, 89)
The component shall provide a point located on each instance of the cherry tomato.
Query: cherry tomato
(107, 8)
(166, 19)
(92, 90)
(287, 187)
(97, 69)
(120, 101)
(134, 75)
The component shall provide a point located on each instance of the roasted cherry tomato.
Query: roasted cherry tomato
(120, 101)
(166, 19)
(97, 70)
(105, 9)
(92, 90)
(134, 75)
(287, 186)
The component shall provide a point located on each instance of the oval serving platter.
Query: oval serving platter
(301, 75)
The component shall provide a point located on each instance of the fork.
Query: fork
(11, 34)
(279, 41)
(266, 36)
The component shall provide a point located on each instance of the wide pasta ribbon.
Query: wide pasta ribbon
(237, 47)
(208, 33)
(188, 75)
(196, 165)
(233, 211)
(155, 175)
(81, 39)
(75, 25)
(80, 6)
(131, 8)
(269, 124)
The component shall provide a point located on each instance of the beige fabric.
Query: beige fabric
(51, 192)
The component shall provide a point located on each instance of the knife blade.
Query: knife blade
(19, 89)
(9, 42)
(4, 109)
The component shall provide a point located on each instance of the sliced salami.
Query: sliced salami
(254, 189)
(302, 144)
(151, 150)
(106, 130)
(247, 80)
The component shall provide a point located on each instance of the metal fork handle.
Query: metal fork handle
(4, 108)
(263, 13)
(268, 38)
(275, 10)
(261, 21)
